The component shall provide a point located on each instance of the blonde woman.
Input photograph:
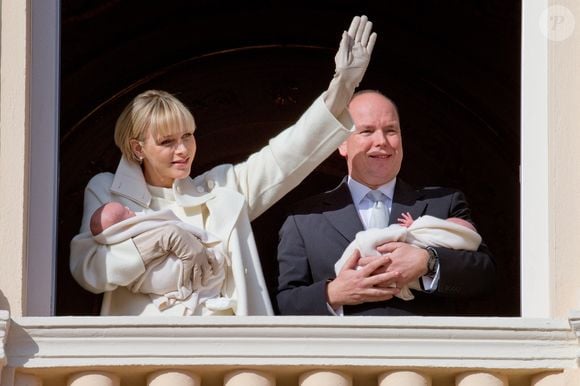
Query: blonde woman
(156, 135)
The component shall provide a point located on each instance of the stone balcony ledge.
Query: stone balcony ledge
(420, 342)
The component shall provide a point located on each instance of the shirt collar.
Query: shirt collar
(358, 191)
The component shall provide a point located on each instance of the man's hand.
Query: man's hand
(352, 60)
(356, 285)
(409, 261)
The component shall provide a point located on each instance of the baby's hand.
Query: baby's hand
(405, 220)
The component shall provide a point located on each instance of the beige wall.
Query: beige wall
(13, 154)
(58, 337)
(564, 155)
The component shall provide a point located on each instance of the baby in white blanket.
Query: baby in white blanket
(197, 275)
(453, 233)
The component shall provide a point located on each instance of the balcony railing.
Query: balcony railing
(284, 351)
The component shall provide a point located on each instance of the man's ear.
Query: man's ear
(136, 148)
(342, 149)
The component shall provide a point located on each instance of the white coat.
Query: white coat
(234, 195)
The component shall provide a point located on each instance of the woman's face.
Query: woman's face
(167, 158)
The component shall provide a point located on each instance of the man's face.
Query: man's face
(374, 152)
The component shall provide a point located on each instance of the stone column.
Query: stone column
(27, 380)
(4, 324)
(249, 378)
(404, 378)
(325, 378)
(548, 379)
(173, 378)
(481, 379)
(94, 378)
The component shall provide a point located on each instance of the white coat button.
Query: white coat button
(200, 189)
(210, 184)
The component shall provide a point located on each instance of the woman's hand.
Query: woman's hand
(352, 60)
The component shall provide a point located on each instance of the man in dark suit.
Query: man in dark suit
(315, 235)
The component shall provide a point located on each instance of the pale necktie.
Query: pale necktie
(379, 217)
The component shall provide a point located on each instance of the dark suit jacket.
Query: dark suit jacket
(314, 236)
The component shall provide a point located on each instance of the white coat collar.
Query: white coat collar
(224, 205)
(129, 182)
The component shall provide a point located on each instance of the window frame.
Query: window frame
(43, 157)
(44, 148)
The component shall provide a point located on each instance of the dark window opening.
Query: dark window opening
(247, 70)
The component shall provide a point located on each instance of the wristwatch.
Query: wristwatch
(432, 262)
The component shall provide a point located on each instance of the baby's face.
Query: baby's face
(115, 212)
(462, 222)
(127, 213)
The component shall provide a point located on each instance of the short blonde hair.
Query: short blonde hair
(154, 110)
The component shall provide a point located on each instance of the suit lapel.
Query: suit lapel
(405, 200)
(340, 211)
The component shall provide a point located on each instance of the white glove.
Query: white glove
(352, 60)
